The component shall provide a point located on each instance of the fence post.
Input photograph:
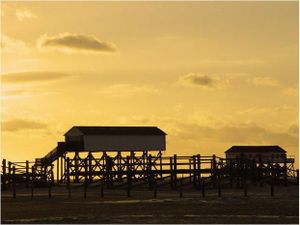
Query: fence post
(32, 180)
(214, 170)
(175, 172)
(14, 182)
(85, 177)
(260, 171)
(102, 191)
(199, 170)
(150, 175)
(219, 186)
(155, 188)
(4, 174)
(194, 171)
(128, 176)
(180, 190)
(203, 187)
(68, 177)
(245, 186)
(27, 173)
(285, 171)
(171, 173)
(9, 174)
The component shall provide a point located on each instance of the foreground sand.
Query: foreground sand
(115, 207)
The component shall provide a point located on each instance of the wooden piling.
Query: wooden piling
(154, 189)
(9, 174)
(14, 182)
(180, 191)
(90, 166)
(194, 171)
(245, 186)
(76, 159)
(102, 191)
(128, 176)
(150, 175)
(219, 186)
(198, 171)
(68, 177)
(27, 173)
(203, 187)
(32, 181)
(85, 177)
(4, 174)
(260, 169)
(171, 173)
(175, 171)
(285, 171)
(214, 167)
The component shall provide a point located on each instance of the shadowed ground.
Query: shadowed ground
(141, 207)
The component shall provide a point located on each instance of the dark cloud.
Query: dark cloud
(26, 77)
(238, 134)
(196, 79)
(76, 42)
(18, 124)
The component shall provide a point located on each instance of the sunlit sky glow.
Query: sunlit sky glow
(210, 74)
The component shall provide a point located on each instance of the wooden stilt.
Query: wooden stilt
(68, 177)
(32, 180)
(14, 182)
(4, 177)
(175, 171)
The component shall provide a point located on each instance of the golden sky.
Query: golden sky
(210, 74)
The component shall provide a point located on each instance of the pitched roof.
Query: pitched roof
(116, 130)
(272, 148)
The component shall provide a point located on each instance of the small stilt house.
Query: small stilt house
(264, 153)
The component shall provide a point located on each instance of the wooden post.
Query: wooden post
(154, 189)
(4, 173)
(171, 173)
(76, 158)
(214, 170)
(285, 171)
(128, 176)
(260, 171)
(68, 177)
(175, 171)
(14, 182)
(85, 177)
(198, 170)
(245, 186)
(9, 174)
(57, 170)
(190, 169)
(49, 190)
(90, 156)
(219, 186)
(272, 181)
(32, 180)
(102, 191)
(27, 173)
(160, 164)
(180, 191)
(150, 178)
(203, 187)
(230, 172)
(194, 171)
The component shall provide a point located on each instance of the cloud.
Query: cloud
(263, 81)
(28, 77)
(200, 80)
(291, 92)
(11, 45)
(125, 90)
(19, 124)
(68, 42)
(24, 14)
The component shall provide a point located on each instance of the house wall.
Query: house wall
(124, 142)
(265, 156)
